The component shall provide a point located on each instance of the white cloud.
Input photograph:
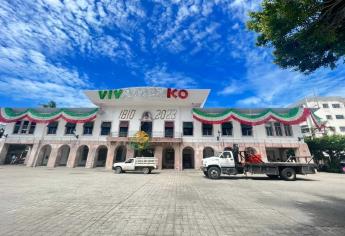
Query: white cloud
(250, 101)
(159, 76)
(27, 75)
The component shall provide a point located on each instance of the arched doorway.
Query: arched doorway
(188, 158)
(168, 159)
(101, 157)
(44, 155)
(207, 152)
(62, 155)
(120, 154)
(82, 153)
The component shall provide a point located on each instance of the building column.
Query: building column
(159, 156)
(53, 156)
(3, 152)
(178, 157)
(198, 156)
(303, 151)
(91, 157)
(110, 156)
(71, 161)
(129, 152)
(33, 155)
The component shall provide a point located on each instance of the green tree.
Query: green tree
(50, 104)
(304, 34)
(329, 148)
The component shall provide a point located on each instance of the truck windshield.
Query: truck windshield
(129, 161)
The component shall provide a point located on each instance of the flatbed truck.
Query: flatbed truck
(228, 164)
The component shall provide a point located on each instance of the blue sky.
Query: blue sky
(54, 49)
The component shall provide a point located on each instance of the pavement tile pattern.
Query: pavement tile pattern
(63, 201)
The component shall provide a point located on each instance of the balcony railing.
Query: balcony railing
(155, 134)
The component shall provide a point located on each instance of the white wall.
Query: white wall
(183, 114)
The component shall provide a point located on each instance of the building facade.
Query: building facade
(331, 110)
(182, 131)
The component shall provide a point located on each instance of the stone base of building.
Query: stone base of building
(178, 156)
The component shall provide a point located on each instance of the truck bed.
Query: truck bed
(272, 168)
(145, 161)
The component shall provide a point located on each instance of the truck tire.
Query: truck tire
(288, 174)
(273, 176)
(206, 173)
(146, 170)
(213, 173)
(118, 170)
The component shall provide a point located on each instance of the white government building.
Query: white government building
(182, 131)
(331, 110)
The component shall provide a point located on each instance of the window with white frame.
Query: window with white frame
(278, 129)
(342, 129)
(288, 130)
(269, 129)
(24, 127)
(329, 117)
(52, 127)
(88, 128)
(247, 130)
(325, 105)
(339, 117)
(336, 105)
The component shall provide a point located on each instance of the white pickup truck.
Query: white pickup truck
(144, 164)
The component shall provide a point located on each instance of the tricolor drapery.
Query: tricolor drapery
(8, 115)
(295, 115)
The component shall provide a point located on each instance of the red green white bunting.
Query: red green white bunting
(8, 115)
(293, 116)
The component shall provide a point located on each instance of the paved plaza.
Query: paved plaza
(64, 201)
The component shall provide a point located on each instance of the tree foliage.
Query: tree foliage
(305, 34)
(140, 141)
(50, 104)
(329, 148)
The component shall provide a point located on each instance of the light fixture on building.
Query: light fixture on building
(218, 137)
(75, 135)
(2, 133)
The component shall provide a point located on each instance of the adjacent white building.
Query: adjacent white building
(331, 110)
(182, 131)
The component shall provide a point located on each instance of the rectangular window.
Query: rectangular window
(227, 129)
(342, 129)
(123, 130)
(329, 117)
(247, 130)
(288, 130)
(52, 127)
(17, 127)
(70, 128)
(278, 129)
(339, 117)
(269, 129)
(25, 127)
(207, 129)
(325, 105)
(87, 128)
(105, 128)
(169, 129)
(336, 105)
(187, 128)
(32, 127)
(305, 129)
